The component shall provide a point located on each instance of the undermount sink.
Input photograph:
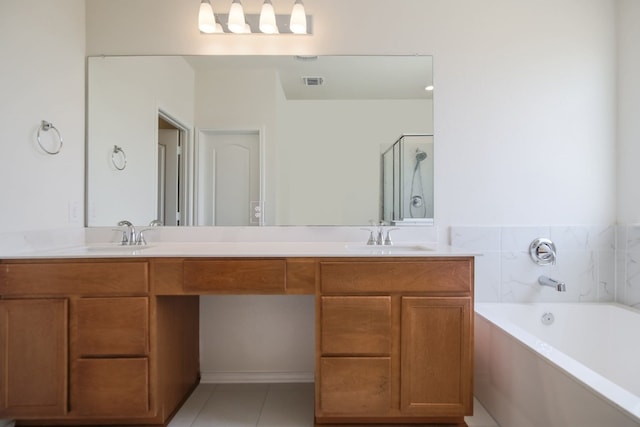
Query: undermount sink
(410, 247)
(111, 248)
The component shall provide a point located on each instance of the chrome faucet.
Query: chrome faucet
(380, 238)
(552, 283)
(129, 237)
(153, 225)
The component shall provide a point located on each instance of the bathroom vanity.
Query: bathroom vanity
(95, 339)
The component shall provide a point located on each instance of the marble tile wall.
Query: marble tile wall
(586, 262)
(628, 264)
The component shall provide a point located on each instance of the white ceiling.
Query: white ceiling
(345, 77)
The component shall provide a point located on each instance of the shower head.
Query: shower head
(420, 155)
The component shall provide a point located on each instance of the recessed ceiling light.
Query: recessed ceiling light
(429, 88)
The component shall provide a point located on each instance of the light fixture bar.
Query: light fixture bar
(253, 21)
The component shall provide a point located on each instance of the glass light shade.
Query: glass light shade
(268, 18)
(236, 22)
(206, 18)
(298, 23)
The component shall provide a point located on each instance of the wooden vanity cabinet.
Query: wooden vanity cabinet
(86, 342)
(394, 340)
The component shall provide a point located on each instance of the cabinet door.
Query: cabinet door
(33, 358)
(436, 377)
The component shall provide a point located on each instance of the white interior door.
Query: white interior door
(169, 176)
(228, 178)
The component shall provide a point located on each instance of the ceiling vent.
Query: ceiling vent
(313, 81)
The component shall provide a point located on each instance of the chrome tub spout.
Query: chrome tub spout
(553, 283)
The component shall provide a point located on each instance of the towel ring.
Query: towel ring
(118, 158)
(45, 126)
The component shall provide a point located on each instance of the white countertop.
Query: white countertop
(244, 249)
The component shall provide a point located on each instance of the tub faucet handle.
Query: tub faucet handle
(543, 251)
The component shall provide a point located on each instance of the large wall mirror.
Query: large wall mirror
(248, 140)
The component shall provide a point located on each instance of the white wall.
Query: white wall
(524, 106)
(628, 103)
(524, 101)
(41, 78)
(330, 156)
(125, 97)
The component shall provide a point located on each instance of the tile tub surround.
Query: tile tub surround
(628, 265)
(506, 273)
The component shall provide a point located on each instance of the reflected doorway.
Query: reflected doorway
(172, 138)
(228, 178)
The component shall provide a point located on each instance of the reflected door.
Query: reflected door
(169, 176)
(228, 185)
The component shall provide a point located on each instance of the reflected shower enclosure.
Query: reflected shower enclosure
(407, 181)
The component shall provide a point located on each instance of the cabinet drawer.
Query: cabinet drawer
(111, 326)
(108, 387)
(425, 275)
(355, 385)
(260, 276)
(64, 278)
(356, 326)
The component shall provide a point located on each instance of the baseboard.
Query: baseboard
(256, 377)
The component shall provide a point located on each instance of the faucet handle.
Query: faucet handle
(140, 239)
(543, 251)
(124, 240)
(371, 240)
(387, 240)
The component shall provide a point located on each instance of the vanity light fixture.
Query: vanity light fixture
(267, 22)
(236, 23)
(206, 18)
(268, 18)
(298, 22)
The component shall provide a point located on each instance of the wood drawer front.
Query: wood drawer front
(64, 278)
(356, 326)
(112, 326)
(355, 385)
(260, 276)
(110, 387)
(425, 275)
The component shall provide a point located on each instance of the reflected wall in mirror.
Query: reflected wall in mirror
(254, 140)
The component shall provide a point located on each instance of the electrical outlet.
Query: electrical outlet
(74, 211)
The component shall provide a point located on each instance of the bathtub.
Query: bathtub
(558, 365)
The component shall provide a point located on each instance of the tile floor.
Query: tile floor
(264, 405)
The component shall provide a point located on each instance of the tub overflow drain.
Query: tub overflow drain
(547, 318)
